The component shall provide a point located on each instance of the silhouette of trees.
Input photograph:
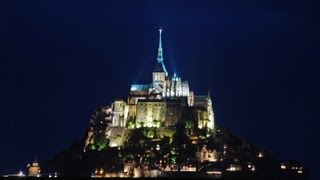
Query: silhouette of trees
(179, 137)
(136, 136)
(99, 121)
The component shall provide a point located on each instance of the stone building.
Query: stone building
(206, 155)
(33, 168)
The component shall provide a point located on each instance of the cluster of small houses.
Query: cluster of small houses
(205, 157)
(208, 166)
(134, 169)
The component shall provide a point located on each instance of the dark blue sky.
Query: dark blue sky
(60, 60)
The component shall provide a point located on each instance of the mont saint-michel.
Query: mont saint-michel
(163, 129)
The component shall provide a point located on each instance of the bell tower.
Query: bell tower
(159, 75)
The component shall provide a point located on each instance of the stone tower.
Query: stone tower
(159, 75)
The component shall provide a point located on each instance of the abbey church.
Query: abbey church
(160, 103)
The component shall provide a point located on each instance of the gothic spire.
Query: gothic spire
(160, 55)
(160, 65)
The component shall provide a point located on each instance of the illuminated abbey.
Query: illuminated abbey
(160, 103)
(162, 129)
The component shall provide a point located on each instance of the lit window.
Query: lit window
(260, 155)
(283, 166)
(253, 168)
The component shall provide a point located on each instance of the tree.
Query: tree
(99, 121)
(135, 137)
(179, 137)
(189, 120)
(101, 141)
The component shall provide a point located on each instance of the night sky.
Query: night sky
(60, 60)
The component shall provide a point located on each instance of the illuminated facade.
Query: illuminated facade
(33, 168)
(206, 155)
(160, 103)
